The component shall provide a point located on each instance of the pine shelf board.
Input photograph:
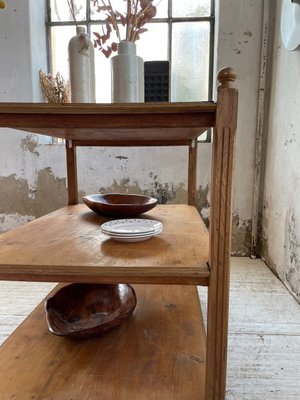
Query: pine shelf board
(159, 353)
(68, 246)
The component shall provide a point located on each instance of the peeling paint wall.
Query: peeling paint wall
(32, 172)
(281, 215)
(238, 45)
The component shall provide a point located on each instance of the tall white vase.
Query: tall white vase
(127, 75)
(82, 68)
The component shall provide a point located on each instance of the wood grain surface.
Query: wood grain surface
(159, 353)
(71, 163)
(85, 310)
(111, 122)
(220, 235)
(68, 246)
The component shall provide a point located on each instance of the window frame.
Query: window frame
(170, 20)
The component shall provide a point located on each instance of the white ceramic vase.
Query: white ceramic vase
(82, 68)
(127, 75)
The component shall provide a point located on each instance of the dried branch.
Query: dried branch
(138, 13)
(72, 11)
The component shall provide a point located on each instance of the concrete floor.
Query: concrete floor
(264, 330)
(264, 335)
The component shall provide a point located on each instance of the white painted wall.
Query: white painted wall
(281, 217)
(29, 163)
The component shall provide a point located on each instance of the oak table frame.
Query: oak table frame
(202, 260)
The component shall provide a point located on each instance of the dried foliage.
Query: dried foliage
(2, 4)
(54, 88)
(137, 14)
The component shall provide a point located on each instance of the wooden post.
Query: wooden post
(71, 173)
(192, 172)
(220, 235)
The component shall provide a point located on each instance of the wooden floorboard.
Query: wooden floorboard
(264, 330)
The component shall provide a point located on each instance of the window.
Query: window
(181, 32)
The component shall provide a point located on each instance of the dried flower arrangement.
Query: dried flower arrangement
(2, 4)
(138, 13)
(54, 88)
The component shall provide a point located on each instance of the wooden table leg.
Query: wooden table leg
(220, 236)
(192, 173)
(71, 173)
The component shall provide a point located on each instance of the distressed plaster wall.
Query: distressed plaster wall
(32, 171)
(22, 44)
(281, 216)
(238, 45)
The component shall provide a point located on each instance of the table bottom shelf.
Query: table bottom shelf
(158, 354)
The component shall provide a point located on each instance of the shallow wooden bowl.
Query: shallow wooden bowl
(87, 310)
(119, 205)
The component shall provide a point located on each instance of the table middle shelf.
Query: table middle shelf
(68, 246)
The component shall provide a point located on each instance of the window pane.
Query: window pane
(60, 10)
(190, 61)
(102, 73)
(153, 45)
(157, 33)
(60, 36)
(120, 5)
(188, 8)
(162, 8)
(103, 80)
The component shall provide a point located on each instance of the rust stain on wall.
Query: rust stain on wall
(51, 192)
(241, 236)
(264, 231)
(30, 144)
(171, 193)
(289, 272)
(125, 185)
(248, 34)
(164, 192)
(292, 274)
(121, 157)
(14, 195)
(168, 192)
(202, 202)
(291, 136)
(17, 197)
(237, 51)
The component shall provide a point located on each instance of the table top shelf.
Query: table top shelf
(112, 123)
(68, 246)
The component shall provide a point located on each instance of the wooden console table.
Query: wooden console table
(162, 352)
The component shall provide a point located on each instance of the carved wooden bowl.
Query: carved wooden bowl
(87, 310)
(119, 205)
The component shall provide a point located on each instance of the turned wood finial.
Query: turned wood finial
(226, 77)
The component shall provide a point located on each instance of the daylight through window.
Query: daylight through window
(181, 32)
